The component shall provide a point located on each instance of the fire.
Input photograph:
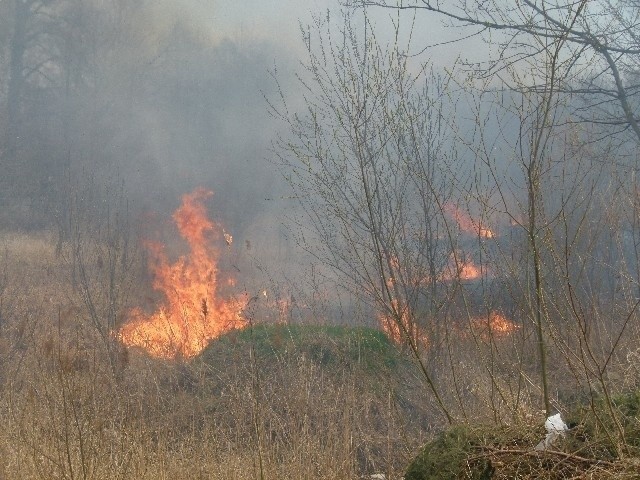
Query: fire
(192, 314)
(466, 223)
(496, 324)
(463, 269)
(392, 329)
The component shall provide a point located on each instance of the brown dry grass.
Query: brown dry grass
(68, 412)
(65, 412)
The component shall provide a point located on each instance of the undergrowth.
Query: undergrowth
(587, 450)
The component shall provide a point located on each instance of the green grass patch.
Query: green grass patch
(606, 436)
(328, 346)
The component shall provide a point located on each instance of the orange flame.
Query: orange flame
(463, 269)
(466, 223)
(391, 327)
(192, 315)
(496, 324)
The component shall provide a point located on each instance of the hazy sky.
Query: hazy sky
(278, 21)
(266, 36)
(275, 20)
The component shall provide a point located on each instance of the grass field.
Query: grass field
(269, 401)
(264, 402)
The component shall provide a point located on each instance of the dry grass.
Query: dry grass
(67, 417)
(68, 412)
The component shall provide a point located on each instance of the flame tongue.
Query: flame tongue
(466, 223)
(192, 315)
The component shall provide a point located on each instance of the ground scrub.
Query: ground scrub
(588, 450)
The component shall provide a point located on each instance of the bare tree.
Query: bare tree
(367, 159)
(571, 65)
(596, 39)
(41, 51)
(563, 65)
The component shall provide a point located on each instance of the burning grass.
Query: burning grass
(300, 409)
(193, 313)
(466, 223)
(281, 401)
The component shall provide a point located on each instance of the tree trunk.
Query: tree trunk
(16, 78)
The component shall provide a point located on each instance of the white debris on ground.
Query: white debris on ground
(378, 476)
(555, 428)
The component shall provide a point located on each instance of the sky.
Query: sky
(248, 20)
(279, 21)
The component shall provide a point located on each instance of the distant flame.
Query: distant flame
(192, 315)
(496, 324)
(460, 267)
(396, 332)
(466, 223)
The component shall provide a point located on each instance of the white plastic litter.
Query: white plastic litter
(555, 424)
(555, 428)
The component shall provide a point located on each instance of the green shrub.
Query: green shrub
(445, 458)
(589, 450)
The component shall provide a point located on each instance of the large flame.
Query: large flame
(192, 314)
(466, 223)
